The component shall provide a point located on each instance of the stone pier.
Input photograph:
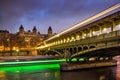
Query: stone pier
(75, 66)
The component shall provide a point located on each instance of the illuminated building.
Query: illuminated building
(22, 40)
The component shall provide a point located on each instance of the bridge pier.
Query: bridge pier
(89, 59)
(85, 65)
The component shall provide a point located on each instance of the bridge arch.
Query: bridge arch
(85, 47)
(67, 48)
(80, 48)
(92, 46)
(71, 50)
(52, 52)
(75, 50)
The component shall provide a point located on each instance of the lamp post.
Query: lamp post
(17, 55)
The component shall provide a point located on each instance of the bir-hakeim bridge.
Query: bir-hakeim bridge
(96, 38)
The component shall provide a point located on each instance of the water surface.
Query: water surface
(52, 72)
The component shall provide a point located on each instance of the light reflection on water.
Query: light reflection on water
(52, 72)
(89, 74)
(36, 72)
(118, 70)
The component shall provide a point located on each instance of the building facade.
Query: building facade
(22, 40)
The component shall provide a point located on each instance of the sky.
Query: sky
(59, 14)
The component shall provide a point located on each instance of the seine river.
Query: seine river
(52, 72)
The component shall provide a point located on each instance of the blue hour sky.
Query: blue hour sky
(59, 14)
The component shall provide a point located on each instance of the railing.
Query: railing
(93, 39)
(100, 41)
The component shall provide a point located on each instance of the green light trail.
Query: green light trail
(31, 72)
(31, 62)
(36, 62)
(30, 68)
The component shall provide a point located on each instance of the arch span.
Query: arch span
(53, 52)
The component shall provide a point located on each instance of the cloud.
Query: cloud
(18, 8)
(47, 12)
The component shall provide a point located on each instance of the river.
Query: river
(52, 72)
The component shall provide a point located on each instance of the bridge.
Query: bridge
(96, 38)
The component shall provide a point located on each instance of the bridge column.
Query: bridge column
(77, 36)
(113, 27)
(75, 50)
(91, 32)
(73, 37)
(83, 34)
(96, 58)
(110, 58)
(86, 59)
(101, 29)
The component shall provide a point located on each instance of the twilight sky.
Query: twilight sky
(59, 14)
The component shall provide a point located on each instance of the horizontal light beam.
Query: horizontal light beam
(31, 62)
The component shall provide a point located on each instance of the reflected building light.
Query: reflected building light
(3, 75)
(102, 77)
(56, 75)
(47, 74)
(118, 73)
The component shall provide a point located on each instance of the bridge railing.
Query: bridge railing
(118, 33)
(108, 35)
(89, 40)
(96, 38)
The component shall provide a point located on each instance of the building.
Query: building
(4, 40)
(22, 40)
